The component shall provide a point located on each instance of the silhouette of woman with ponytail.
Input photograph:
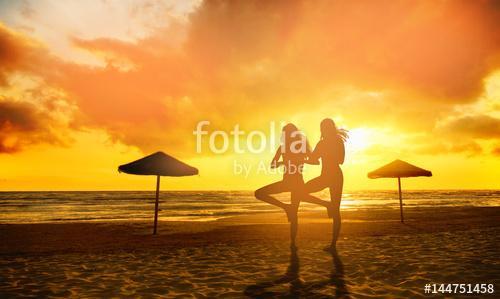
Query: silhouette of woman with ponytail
(330, 149)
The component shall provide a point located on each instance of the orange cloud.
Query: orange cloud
(249, 61)
(23, 124)
(477, 126)
(12, 53)
(496, 151)
(441, 48)
(442, 148)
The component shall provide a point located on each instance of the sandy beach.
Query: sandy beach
(249, 256)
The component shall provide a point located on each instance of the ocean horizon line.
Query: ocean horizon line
(244, 190)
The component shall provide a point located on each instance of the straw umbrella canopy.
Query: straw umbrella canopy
(399, 169)
(158, 164)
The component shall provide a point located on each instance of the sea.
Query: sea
(40, 207)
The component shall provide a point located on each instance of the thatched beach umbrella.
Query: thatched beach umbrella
(158, 164)
(398, 169)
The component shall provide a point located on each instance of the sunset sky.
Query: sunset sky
(88, 85)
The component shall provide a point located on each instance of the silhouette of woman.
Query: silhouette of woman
(293, 152)
(331, 150)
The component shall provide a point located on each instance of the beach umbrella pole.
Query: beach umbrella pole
(398, 169)
(157, 202)
(400, 200)
(158, 164)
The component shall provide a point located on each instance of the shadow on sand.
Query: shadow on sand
(297, 287)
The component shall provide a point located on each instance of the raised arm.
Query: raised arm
(276, 160)
(313, 157)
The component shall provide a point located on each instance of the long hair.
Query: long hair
(330, 130)
(291, 133)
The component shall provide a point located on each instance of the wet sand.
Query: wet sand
(249, 256)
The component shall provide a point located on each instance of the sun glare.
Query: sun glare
(359, 139)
